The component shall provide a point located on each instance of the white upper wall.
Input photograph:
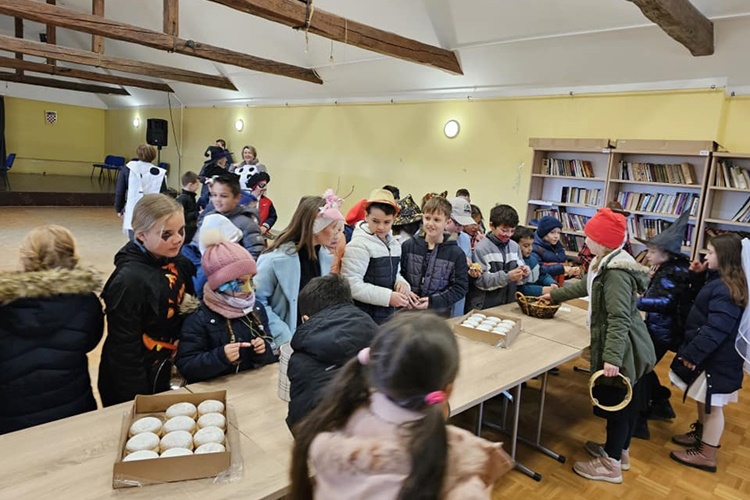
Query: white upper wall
(506, 47)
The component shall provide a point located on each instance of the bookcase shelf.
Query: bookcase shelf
(727, 222)
(665, 160)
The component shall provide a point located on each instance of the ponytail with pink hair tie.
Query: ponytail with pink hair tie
(435, 398)
(328, 213)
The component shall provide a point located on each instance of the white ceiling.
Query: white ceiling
(506, 47)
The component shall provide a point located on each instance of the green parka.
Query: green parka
(618, 333)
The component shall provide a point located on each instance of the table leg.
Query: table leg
(481, 417)
(540, 418)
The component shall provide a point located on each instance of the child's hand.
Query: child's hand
(516, 274)
(547, 289)
(545, 298)
(474, 272)
(263, 229)
(413, 300)
(687, 363)
(259, 346)
(232, 351)
(422, 304)
(526, 270)
(611, 370)
(398, 300)
(403, 288)
(698, 267)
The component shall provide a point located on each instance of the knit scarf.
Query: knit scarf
(221, 304)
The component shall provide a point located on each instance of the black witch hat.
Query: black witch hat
(670, 240)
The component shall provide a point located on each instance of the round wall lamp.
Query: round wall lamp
(239, 125)
(451, 129)
(136, 122)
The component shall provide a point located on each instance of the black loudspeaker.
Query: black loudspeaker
(157, 132)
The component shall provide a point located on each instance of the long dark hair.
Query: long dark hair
(413, 354)
(728, 248)
(300, 229)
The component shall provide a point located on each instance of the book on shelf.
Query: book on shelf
(645, 228)
(567, 168)
(581, 196)
(661, 203)
(732, 176)
(572, 242)
(570, 222)
(743, 214)
(682, 173)
(712, 232)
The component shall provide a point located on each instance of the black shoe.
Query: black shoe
(641, 429)
(661, 410)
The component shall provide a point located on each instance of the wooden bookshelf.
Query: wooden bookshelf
(723, 202)
(672, 174)
(572, 194)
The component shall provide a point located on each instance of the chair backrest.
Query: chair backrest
(117, 161)
(9, 161)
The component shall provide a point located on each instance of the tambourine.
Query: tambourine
(617, 407)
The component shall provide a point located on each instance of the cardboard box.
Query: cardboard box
(164, 470)
(493, 339)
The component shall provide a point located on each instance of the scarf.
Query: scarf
(228, 307)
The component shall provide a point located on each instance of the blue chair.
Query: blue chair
(5, 168)
(111, 163)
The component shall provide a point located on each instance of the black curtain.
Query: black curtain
(3, 151)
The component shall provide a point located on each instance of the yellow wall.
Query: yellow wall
(310, 148)
(67, 148)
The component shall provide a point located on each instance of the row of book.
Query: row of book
(581, 196)
(712, 232)
(732, 176)
(682, 173)
(570, 222)
(645, 229)
(743, 214)
(661, 203)
(567, 168)
(572, 242)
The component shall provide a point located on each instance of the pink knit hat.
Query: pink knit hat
(224, 261)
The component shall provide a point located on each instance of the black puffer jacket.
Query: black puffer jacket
(142, 296)
(667, 302)
(443, 275)
(200, 355)
(710, 334)
(50, 320)
(321, 346)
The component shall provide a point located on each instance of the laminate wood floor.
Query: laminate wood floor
(569, 421)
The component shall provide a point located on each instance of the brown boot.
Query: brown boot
(703, 456)
(691, 438)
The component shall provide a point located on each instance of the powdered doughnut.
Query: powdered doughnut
(208, 435)
(181, 423)
(142, 441)
(186, 409)
(177, 439)
(176, 452)
(210, 406)
(210, 448)
(146, 424)
(141, 455)
(212, 420)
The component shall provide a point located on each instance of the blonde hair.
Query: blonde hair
(48, 247)
(150, 209)
(146, 153)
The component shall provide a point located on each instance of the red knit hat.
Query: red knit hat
(224, 261)
(607, 228)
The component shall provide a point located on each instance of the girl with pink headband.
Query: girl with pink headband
(380, 431)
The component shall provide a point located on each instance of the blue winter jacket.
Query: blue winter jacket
(551, 258)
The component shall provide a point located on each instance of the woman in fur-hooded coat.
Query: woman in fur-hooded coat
(50, 320)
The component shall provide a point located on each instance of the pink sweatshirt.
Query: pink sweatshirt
(370, 457)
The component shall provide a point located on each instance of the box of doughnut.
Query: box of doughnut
(499, 330)
(175, 437)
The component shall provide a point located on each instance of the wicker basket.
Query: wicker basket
(532, 307)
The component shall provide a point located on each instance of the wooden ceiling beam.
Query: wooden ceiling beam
(172, 17)
(683, 22)
(59, 84)
(79, 21)
(18, 24)
(97, 41)
(295, 14)
(35, 67)
(86, 58)
(51, 33)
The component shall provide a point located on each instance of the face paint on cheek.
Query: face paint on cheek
(166, 236)
(181, 232)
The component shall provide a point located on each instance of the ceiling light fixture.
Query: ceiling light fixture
(239, 125)
(136, 122)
